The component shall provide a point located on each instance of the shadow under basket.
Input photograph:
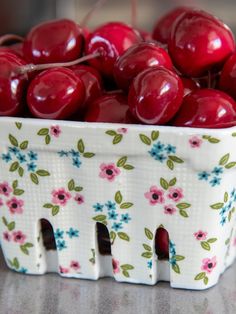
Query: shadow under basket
(87, 201)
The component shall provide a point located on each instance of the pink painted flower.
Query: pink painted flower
(55, 130)
(75, 265)
(122, 130)
(60, 196)
(200, 235)
(15, 205)
(5, 189)
(63, 270)
(155, 195)
(208, 264)
(195, 142)
(1, 202)
(19, 237)
(109, 171)
(7, 236)
(115, 266)
(79, 198)
(169, 210)
(175, 194)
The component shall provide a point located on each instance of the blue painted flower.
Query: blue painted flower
(223, 221)
(61, 245)
(153, 153)
(32, 155)
(159, 147)
(172, 248)
(112, 215)
(170, 149)
(234, 199)
(58, 234)
(160, 157)
(6, 157)
(117, 226)
(110, 205)
(223, 211)
(125, 218)
(232, 194)
(217, 171)
(72, 233)
(203, 175)
(31, 166)
(76, 162)
(63, 153)
(229, 205)
(23, 270)
(74, 153)
(215, 181)
(98, 207)
(21, 158)
(149, 264)
(14, 150)
(172, 261)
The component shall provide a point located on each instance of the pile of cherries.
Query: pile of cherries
(183, 74)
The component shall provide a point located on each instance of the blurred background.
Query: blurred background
(18, 16)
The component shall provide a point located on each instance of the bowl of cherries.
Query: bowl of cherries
(120, 143)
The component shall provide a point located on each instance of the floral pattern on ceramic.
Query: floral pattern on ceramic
(117, 135)
(48, 133)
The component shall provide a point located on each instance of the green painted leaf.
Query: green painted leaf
(122, 161)
(176, 268)
(118, 197)
(213, 140)
(13, 140)
(15, 184)
(24, 250)
(117, 139)
(145, 139)
(18, 192)
(212, 240)
(234, 134)
(200, 276)
(80, 146)
(47, 139)
(147, 254)
(164, 184)
(100, 217)
(227, 241)
(127, 267)
(128, 167)
(206, 137)
(172, 182)
(179, 258)
(24, 145)
(34, 178)
(42, 173)
(230, 165)
(183, 205)
(111, 132)
(229, 216)
(147, 247)
(226, 196)
(18, 125)
(21, 171)
(55, 210)
(183, 213)
(176, 159)
(148, 233)
(43, 132)
(126, 205)
(205, 280)
(71, 185)
(112, 236)
(205, 246)
(14, 166)
(48, 205)
(125, 273)
(155, 135)
(16, 263)
(170, 164)
(78, 188)
(4, 221)
(28, 245)
(123, 236)
(217, 205)
(223, 161)
(88, 155)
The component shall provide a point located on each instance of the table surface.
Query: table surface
(51, 294)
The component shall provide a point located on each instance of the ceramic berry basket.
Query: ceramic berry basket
(133, 179)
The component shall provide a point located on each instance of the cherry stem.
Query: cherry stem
(39, 67)
(134, 13)
(10, 37)
(90, 13)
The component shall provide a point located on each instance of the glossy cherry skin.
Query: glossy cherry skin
(206, 108)
(162, 243)
(189, 85)
(164, 25)
(110, 40)
(92, 82)
(15, 48)
(199, 42)
(155, 95)
(138, 58)
(228, 77)
(55, 94)
(12, 86)
(112, 108)
(53, 41)
(146, 36)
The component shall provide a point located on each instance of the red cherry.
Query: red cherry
(55, 94)
(164, 25)
(138, 58)
(54, 41)
(228, 77)
(111, 40)
(92, 81)
(189, 85)
(162, 243)
(12, 86)
(112, 107)
(206, 108)
(155, 95)
(199, 42)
